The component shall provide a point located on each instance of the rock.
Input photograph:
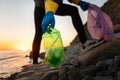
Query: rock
(112, 9)
(117, 28)
(71, 53)
(72, 74)
(49, 75)
(117, 59)
(89, 71)
(105, 73)
(63, 77)
(104, 51)
(63, 73)
(118, 75)
(25, 74)
(4, 78)
(103, 78)
(88, 78)
(113, 67)
(13, 76)
(102, 65)
(55, 78)
(75, 62)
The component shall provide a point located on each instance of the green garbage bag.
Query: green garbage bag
(53, 47)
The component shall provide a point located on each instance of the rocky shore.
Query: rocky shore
(100, 63)
(97, 66)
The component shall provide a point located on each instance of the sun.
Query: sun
(24, 49)
(22, 46)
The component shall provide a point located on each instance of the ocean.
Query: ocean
(12, 61)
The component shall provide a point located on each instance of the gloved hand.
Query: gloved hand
(84, 5)
(48, 19)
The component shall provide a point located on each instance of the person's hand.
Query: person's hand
(48, 19)
(84, 5)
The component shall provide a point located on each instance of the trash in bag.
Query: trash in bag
(99, 24)
(53, 47)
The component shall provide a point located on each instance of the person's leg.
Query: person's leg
(65, 9)
(38, 16)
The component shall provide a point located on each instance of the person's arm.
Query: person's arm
(49, 19)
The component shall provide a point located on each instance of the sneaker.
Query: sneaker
(88, 42)
(91, 44)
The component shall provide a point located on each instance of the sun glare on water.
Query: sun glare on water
(23, 46)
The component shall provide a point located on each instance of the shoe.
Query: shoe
(91, 44)
(37, 60)
(87, 43)
(42, 55)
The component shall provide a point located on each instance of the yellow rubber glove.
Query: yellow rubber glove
(50, 5)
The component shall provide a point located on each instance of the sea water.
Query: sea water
(12, 61)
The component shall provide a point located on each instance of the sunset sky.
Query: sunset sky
(17, 24)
